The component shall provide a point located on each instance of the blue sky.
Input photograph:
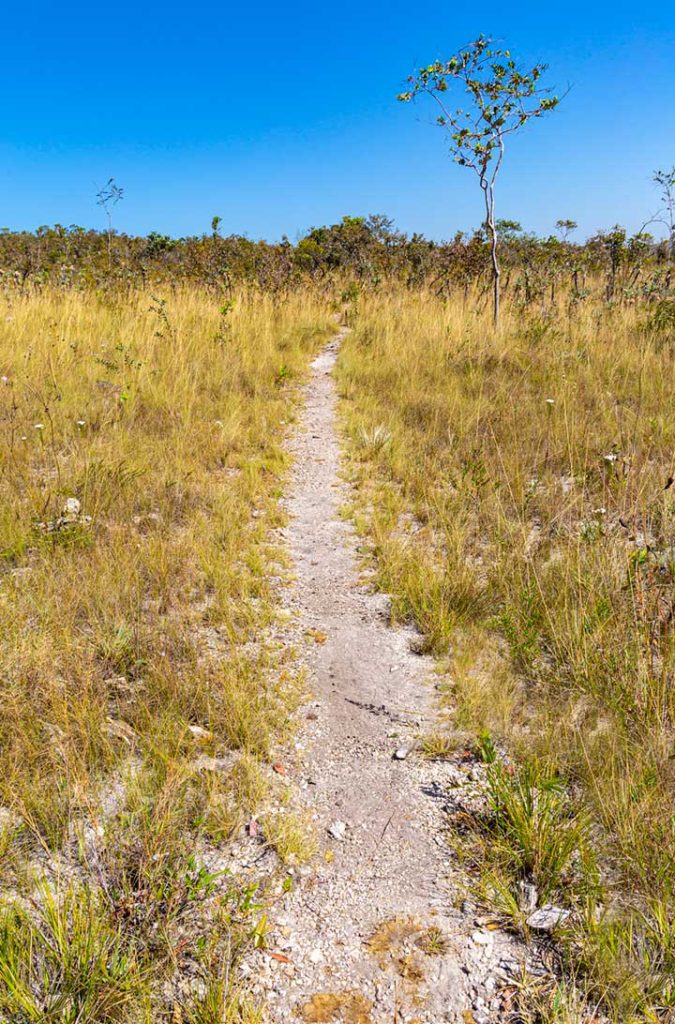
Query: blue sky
(279, 116)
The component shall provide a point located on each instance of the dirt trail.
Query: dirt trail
(388, 877)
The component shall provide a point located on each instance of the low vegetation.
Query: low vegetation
(141, 464)
(517, 489)
(358, 253)
(515, 484)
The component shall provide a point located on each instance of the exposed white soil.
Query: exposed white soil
(380, 926)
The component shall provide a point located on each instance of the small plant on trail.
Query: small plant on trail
(502, 99)
(533, 824)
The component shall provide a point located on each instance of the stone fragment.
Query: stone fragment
(338, 830)
(71, 509)
(547, 918)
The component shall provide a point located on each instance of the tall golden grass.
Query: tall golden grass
(140, 466)
(517, 488)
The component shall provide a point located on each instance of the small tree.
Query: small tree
(502, 99)
(107, 197)
(565, 228)
(665, 180)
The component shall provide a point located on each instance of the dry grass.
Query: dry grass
(516, 489)
(350, 1007)
(132, 627)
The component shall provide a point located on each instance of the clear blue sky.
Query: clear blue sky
(282, 116)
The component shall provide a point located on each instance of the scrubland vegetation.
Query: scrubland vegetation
(517, 487)
(516, 484)
(363, 252)
(141, 466)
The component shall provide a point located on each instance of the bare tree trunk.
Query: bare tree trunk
(495, 276)
(488, 186)
(109, 240)
(488, 192)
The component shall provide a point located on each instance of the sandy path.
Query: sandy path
(389, 875)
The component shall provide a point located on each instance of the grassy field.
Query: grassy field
(141, 464)
(517, 492)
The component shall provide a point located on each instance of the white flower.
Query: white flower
(610, 457)
(81, 423)
(550, 401)
(38, 426)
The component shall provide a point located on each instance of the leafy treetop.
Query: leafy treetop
(503, 99)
